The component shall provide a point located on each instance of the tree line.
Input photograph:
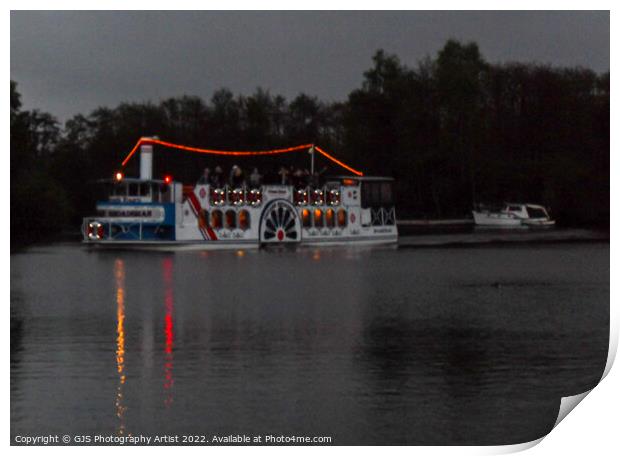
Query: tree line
(453, 131)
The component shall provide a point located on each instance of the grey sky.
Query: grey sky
(73, 62)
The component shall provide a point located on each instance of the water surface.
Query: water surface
(368, 346)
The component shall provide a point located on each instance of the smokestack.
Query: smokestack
(146, 161)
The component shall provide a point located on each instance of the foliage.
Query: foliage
(453, 131)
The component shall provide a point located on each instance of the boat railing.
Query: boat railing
(382, 216)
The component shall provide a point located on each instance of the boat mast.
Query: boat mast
(311, 151)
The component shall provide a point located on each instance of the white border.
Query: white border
(591, 429)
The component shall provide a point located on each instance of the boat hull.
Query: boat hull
(497, 220)
(539, 223)
(235, 245)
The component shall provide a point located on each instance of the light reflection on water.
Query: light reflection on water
(119, 273)
(167, 265)
(377, 346)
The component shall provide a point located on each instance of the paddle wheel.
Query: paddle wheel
(280, 223)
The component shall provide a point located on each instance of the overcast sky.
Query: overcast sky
(72, 62)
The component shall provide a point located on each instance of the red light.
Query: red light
(303, 147)
(118, 176)
(167, 179)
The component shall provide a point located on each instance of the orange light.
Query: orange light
(211, 151)
(238, 152)
(349, 182)
(167, 179)
(118, 176)
(119, 273)
(338, 162)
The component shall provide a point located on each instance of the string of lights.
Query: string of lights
(142, 141)
(338, 162)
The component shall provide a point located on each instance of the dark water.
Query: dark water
(368, 346)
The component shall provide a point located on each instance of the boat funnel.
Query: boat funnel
(146, 161)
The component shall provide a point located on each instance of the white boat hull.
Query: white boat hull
(514, 216)
(495, 219)
(235, 245)
(542, 223)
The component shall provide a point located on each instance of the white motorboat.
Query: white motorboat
(514, 215)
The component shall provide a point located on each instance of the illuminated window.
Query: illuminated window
(342, 218)
(244, 220)
(235, 196)
(301, 197)
(165, 194)
(330, 218)
(216, 219)
(231, 219)
(203, 218)
(255, 197)
(317, 197)
(318, 218)
(217, 197)
(333, 197)
(305, 218)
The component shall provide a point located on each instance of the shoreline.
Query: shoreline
(442, 238)
(488, 237)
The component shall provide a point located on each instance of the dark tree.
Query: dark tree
(453, 130)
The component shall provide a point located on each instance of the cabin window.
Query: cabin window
(217, 197)
(514, 208)
(301, 197)
(305, 218)
(319, 222)
(244, 220)
(144, 189)
(317, 197)
(535, 212)
(377, 194)
(231, 219)
(216, 219)
(165, 193)
(330, 218)
(203, 218)
(119, 190)
(386, 194)
(342, 218)
(333, 197)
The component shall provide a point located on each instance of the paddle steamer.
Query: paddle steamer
(162, 213)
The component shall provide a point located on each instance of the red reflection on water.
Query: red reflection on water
(167, 270)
